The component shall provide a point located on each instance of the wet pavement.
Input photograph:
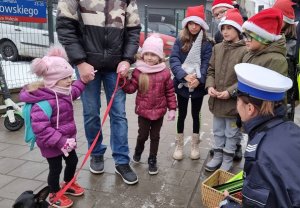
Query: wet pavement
(176, 185)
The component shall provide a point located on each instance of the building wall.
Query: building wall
(166, 7)
(254, 6)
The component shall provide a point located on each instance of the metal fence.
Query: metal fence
(20, 42)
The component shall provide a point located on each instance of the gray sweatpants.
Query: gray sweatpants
(226, 134)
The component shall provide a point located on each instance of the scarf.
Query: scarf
(147, 69)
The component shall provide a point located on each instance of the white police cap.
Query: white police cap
(262, 83)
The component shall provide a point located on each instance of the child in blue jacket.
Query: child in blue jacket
(189, 63)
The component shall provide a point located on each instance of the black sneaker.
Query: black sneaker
(136, 157)
(127, 174)
(97, 164)
(153, 170)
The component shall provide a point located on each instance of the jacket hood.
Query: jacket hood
(36, 96)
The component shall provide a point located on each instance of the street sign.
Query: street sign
(23, 11)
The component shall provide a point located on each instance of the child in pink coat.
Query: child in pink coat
(155, 94)
(55, 136)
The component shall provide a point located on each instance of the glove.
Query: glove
(171, 115)
(69, 146)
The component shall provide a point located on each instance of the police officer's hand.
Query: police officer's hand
(86, 72)
(123, 68)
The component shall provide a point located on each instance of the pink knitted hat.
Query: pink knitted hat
(52, 67)
(153, 44)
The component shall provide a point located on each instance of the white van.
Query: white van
(24, 39)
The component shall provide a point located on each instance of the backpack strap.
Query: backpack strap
(26, 111)
(46, 107)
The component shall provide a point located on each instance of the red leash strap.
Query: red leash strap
(62, 191)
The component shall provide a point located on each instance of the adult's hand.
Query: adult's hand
(123, 68)
(86, 72)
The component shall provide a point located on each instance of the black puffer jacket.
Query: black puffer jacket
(99, 32)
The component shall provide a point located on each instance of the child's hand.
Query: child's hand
(189, 78)
(224, 95)
(212, 92)
(171, 115)
(194, 83)
(69, 146)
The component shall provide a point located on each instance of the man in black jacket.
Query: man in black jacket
(102, 36)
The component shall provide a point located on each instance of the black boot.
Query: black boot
(238, 155)
(137, 156)
(153, 170)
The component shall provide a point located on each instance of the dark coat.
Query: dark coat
(101, 33)
(221, 75)
(178, 57)
(272, 167)
(154, 103)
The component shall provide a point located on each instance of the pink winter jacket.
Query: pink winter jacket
(49, 138)
(160, 95)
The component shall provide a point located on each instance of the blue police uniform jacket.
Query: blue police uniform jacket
(272, 162)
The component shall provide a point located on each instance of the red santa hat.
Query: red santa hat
(286, 6)
(233, 18)
(222, 3)
(266, 24)
(195, 14)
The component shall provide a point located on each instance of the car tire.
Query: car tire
(9, 51)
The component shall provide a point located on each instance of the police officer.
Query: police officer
(271, 171)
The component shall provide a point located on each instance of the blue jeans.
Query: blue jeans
(118, 122)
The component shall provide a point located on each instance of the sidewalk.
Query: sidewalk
(176, 185)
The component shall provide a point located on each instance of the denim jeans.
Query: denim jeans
(118, 123)
(226, 134)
